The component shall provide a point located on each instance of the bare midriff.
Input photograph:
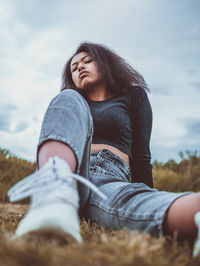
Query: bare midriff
(100, 147)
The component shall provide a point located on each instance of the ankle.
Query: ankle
(56, 148)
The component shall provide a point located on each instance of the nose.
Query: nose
(80, 66)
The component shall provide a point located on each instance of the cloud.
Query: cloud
(4, 123)
(196, 84)
(160, 89)
(168, 147)
(21, 126)
(171, 146)
(48, 13)
(22, 144)
(193, 128)
(6, 116)
(8, 122)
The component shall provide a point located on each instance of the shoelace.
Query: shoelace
(33, 183)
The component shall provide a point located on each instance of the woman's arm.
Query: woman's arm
(142, 126)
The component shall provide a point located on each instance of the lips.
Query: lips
(82, 74)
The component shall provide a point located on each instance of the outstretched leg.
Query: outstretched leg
(180, 217)
(136, 206)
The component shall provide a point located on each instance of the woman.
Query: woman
(99, 127)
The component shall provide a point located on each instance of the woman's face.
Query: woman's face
(84, 71)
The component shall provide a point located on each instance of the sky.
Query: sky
(159, 38)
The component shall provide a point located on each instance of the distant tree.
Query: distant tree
(171, 164)
(181, 155)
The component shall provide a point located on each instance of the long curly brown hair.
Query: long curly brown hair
(117, 74)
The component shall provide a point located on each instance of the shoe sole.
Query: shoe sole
(49, 235)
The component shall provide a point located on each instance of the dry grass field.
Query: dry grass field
(101, 247)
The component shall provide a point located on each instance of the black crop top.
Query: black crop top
(125, 122)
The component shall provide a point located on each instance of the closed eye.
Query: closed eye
(88, 61)
(74, 69)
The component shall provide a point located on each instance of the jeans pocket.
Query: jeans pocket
(92, 173)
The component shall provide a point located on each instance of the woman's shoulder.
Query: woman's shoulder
(136, 93)
(136, 90)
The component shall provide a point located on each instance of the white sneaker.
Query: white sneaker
(54, 199)
(196, 249)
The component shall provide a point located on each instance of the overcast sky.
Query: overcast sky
(159, 38)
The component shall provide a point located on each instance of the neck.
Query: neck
(99, 93)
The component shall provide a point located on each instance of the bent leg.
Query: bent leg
(67, 120)
(67, 131)
(53, 148)
(65, 137)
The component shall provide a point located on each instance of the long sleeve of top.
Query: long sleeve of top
(142, 127)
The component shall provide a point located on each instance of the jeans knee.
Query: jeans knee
(69, 97)
(73, 100)
(66, 96)
(70, 93)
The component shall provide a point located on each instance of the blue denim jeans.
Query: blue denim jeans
(133, 206)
